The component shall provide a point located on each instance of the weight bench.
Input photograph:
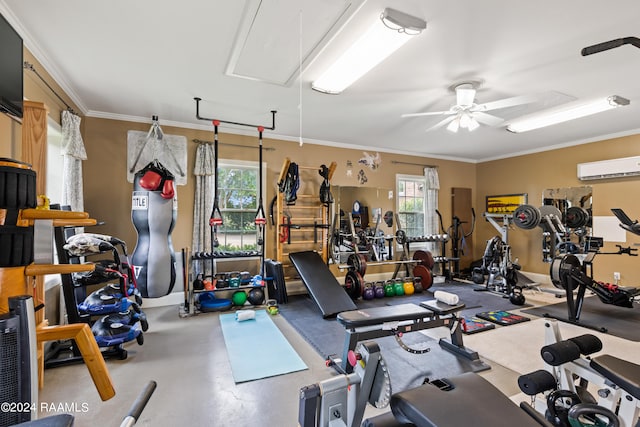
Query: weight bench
(464, 400)
(372, 323)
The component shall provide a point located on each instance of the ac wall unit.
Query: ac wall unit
(614, 168)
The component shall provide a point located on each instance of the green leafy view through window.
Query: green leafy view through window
(238, 202)
(411, 205)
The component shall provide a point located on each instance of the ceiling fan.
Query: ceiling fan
(466, 114)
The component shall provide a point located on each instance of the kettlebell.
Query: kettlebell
(379, 290)
(516, 297)
(408, 287)
(399, 288)
(389, 290)
(198, 284)
(368, 292)
(557, 412)
(417, 285)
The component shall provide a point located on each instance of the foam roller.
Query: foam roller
(446, 297)
(242, 315)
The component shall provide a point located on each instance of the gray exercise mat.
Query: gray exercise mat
(621, 322)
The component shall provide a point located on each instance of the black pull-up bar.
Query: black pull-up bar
(273, 118)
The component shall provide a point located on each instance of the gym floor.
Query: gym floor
(188, 360)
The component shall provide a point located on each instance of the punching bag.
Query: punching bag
(154, 210)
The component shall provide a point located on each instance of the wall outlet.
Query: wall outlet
(616, 275)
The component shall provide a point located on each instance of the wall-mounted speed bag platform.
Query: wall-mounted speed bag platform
(154, 263)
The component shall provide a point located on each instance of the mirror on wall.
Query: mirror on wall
(574, 203)
(572, 206)
(359, 219)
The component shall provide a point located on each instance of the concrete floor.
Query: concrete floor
(188, 360)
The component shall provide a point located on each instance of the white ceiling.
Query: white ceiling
(131, 60)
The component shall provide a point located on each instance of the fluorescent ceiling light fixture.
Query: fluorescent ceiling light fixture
(564, 113)
(392, 30)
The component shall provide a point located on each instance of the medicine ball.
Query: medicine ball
(239, 297)
(256, 296)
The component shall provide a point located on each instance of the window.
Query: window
(411, 205)
(416, 206)
(238, 202)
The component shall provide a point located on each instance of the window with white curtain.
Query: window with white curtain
(416, 204)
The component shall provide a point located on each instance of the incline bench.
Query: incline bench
(371, 323)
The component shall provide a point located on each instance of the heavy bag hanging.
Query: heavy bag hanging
(154, 210)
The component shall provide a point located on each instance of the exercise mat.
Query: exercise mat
(326, 335)
(473, 325)
(503, 318)
(257, 349)
(621, 322)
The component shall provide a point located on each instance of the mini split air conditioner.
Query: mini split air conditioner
(614, 168)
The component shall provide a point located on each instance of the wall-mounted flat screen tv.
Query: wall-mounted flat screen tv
(11, 70)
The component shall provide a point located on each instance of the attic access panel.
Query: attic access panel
(268, 43)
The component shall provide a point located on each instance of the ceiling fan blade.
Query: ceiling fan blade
(506, 102)
(487, 119)
(441, 123)
(430, 113)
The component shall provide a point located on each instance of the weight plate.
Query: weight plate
(577, 217)
(560, 267)
(424, 274)
(526, 217)
(357, 262)
(353, 284)
(425, 258)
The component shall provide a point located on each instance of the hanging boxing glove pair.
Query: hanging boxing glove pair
(155, 177)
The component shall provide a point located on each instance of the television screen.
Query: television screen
(11, 70)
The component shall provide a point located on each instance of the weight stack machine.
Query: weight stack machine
(18, 362)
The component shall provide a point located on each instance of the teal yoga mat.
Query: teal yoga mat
(257, 349)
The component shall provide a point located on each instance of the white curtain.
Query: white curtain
(431, 218)
(73, 153)
(203, 203)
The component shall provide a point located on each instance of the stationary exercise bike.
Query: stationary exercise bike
(562, 391)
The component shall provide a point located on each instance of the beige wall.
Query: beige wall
(108, 193)
(533, 173)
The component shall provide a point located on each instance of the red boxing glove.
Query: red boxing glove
(150, 180)
(168, 190)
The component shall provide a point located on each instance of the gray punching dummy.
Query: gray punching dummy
(154, 213)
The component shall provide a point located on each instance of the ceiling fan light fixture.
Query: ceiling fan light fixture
(392, 30)
(473, 124)
(454, 125)
(565, 113)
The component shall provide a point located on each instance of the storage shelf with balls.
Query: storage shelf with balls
(243, 291)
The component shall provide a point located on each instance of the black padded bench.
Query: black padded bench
(470, 400)
(372, 323)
